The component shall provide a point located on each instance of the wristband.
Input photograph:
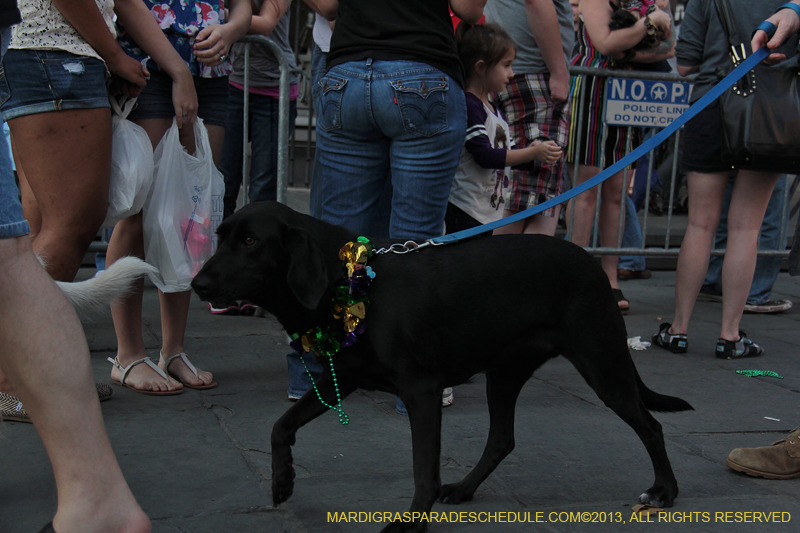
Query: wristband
(791, 5)
(767, 27)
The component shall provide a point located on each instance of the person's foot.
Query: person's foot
(622, 302)
(223, 309)
(779, 461)
(180, 368)
(738, 349)
(674, 342)
(247, 308)
(623, 274)
(142, 377)
(447, 397)
(770, 306)
(111, 507)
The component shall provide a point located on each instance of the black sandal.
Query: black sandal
(621, 298)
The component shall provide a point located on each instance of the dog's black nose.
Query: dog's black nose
(201, 285)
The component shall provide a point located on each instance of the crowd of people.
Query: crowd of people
(423, 127)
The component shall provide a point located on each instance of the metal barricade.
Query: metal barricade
(667, 250)
(283, 113)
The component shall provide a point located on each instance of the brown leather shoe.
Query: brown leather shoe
(779, 461)
(623, 274)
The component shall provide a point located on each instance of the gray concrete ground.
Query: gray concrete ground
(200, 462)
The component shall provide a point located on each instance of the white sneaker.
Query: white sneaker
(771, 306)
(447, 397)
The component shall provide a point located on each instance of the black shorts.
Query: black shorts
(702, 142)
(156, 99)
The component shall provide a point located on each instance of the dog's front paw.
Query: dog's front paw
(282, 483)
(406, 527)
(455, 493)
(659, 496)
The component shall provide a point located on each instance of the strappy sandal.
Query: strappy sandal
(189, 364)
(619, 297)
(148, 362)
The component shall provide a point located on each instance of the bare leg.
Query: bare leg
(536, 224)
(610, 211)
(45, 355)
(127, 239)
(751, 193)
(585, 205)
(65, 161)
(706, 191)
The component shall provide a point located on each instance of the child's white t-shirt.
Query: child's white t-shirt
(481, 181)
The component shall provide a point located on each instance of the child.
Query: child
(481, 180)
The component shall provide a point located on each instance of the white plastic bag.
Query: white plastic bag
(131, 166)
(183, 210)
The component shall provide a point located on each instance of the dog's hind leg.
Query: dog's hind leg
(301, 413)
(613, 379)
(502, 390)
(424, 407)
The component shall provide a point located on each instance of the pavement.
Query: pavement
(200, 462)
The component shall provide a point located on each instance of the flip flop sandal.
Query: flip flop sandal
(620, 297)
(191, 367)
(148, 362)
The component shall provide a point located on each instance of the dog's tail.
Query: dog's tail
(660, 402)
(93, 296)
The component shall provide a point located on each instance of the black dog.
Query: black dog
(429, 326)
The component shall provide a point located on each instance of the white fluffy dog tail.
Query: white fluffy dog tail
(94, 295)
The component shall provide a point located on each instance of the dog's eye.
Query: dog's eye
(249, 241)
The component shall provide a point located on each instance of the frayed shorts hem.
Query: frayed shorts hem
(14, 230)
(54, 106)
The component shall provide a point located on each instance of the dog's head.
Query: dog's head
(266, 254)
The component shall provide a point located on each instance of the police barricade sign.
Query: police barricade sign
(648, 103)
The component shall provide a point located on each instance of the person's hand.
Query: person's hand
(559, 87)
(128, 76)
(184, 98)
(787, 23)
(547, 152)
(212, 44)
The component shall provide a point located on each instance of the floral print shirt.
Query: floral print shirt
(181, 21)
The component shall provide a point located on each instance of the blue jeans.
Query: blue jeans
(264, 142)
(299, 381)
(379, 119)
(12, 224)
(767, 268)
(317, 71)
(631, 238)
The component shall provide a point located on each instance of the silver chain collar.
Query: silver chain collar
(408, 246)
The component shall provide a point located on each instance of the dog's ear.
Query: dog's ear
(307, 275)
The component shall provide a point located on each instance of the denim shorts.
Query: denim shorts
(156, 99)
(42, 81)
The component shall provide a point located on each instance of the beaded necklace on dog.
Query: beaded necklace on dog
(348, 306)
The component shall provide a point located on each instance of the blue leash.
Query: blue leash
(645, 147)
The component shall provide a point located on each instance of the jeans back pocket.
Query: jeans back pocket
(423, 103)
(330, 89)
